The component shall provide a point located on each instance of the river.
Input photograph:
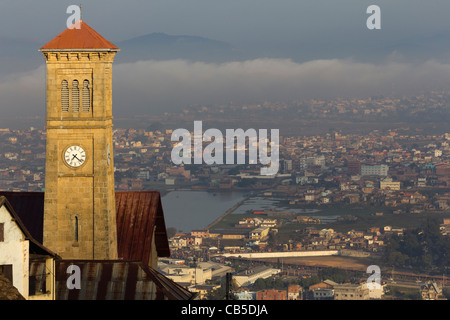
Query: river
(188, 210)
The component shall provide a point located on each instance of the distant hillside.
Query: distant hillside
(160, 46)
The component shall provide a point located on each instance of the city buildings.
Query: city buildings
(374, 170)
(248, 277)
(80, 216)
(351, 292)
(393, 169)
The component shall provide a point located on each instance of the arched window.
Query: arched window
(76, 229)
(75, 96)
(86, 95)
(64, 96)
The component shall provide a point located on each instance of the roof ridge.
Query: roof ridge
(83, 37)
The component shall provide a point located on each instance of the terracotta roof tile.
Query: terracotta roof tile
(80, 36)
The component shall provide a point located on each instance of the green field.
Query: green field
(360, 219)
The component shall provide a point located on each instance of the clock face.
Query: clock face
(75, 156)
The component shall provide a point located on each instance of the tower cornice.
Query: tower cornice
(71, 55)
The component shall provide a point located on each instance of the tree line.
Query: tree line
(424, 248)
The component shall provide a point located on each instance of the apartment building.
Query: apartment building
(374, 170)
(351, 292)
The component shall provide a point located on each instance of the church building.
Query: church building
(113, 238)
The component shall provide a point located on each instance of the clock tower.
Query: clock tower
(79, 205)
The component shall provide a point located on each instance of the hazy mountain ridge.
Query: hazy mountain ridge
(18, 55)
(161, 46)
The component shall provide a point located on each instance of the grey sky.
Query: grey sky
(236, 21)
(301, 49)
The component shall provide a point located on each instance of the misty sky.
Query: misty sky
(301, 49)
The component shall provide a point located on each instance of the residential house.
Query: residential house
(271, 223)
(39, 273)
(351, 292)
(20, 252)
(323, 294)
(203, 289)
(259, 233)
(200, 233)
(430, 291)
(245, 295)
(248, 277)
(294, 292)
(389, 184)
(326, 284)
(271, 294)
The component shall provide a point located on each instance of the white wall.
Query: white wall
(246, 280)
(186, 274)
(15, 250)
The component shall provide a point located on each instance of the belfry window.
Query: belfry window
(86, 96)
(75, 96)
(64, 96)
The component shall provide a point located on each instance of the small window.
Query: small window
(76, 229)
(86, 96)
(75, 96)
(64, 96)
(2, 232)
(37, 281)
(7, 271)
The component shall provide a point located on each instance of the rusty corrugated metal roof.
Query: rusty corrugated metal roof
(116, 280)
(139, 216)
(140, 213)
(80, 36)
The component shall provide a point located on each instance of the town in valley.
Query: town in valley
(361, 182)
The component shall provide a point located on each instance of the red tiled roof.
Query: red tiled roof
(79, 36)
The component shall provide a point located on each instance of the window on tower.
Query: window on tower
(76, 229)
(2, 232)
(75, 96)
(86, 95)
(64, 96)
